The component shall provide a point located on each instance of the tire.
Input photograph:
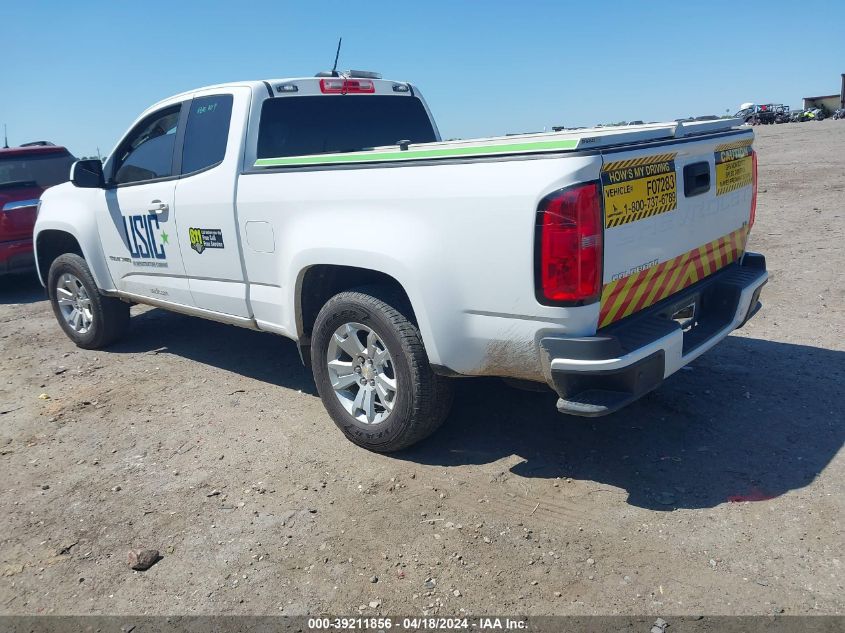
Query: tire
(421, 399)
(100, 320)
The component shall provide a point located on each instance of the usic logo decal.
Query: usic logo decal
(141, 233)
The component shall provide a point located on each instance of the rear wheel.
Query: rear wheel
(89, 319)
(373, 374)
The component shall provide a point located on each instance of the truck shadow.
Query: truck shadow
(21, 288)
(750, 421)
(265, 357)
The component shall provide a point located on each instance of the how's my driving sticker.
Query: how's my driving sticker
(638, 188)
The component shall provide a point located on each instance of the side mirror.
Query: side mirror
(87, 174)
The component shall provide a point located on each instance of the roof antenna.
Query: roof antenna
(5, 137)
(336, 56)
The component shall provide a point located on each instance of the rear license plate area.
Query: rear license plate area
(685, 317)
(698, 317)
(684, 312)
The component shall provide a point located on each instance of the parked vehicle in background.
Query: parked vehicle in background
(839, 114)
(764, 114)
(813, 114)
(25, 173)
(746, 114)
(782, 114)
(327, 209)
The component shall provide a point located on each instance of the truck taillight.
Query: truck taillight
(569, 246)
(753, 189)
(347, 86)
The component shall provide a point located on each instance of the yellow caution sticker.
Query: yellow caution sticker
(734, 168)
(638, 188)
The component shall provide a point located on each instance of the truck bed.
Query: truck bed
(565, 140)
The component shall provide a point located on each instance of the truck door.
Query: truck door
(136, 219)
(205, 198)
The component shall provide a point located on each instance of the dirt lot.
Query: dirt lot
(721, 493)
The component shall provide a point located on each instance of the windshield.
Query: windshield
(42, 170)
(296, 126)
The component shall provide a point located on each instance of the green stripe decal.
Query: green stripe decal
(368, 157)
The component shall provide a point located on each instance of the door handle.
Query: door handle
(158, 207)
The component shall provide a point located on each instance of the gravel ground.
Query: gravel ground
(720, 493)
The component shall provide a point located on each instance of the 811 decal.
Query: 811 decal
(638, 188)
(202, 239)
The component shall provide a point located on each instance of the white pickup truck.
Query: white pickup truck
(327, 209)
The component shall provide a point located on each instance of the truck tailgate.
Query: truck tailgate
(674, 214)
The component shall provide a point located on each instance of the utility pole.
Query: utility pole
(5, 137)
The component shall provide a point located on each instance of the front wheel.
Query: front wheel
(89, 319)
(373, 374)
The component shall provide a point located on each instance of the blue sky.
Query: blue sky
(78, 73)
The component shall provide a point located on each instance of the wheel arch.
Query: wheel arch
(53, 239)
(317, 283)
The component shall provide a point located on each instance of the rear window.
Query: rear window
(296, 126)
(43, 170)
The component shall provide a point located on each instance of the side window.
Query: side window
(206, 132)
(147, 152)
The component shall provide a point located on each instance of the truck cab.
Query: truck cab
(165, 216)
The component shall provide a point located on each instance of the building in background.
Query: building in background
(828, 102)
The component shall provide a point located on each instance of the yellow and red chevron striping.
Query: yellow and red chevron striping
(622, 297)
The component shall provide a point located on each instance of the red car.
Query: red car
(25, 172)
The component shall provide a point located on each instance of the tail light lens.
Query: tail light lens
(753, 189)
(569, 253)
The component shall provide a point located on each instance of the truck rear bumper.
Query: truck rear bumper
(16, 256)
(600, 374)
